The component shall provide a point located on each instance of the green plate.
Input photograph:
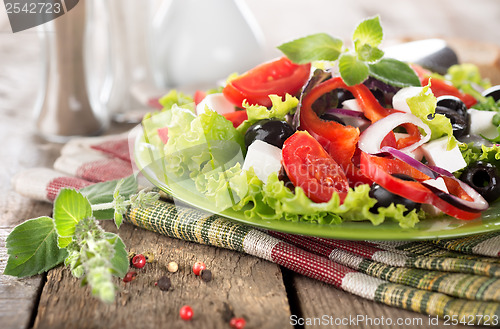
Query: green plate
(149, 161)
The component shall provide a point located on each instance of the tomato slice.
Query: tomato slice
(309, 166)
(279, 77)
(198, 96)
(380, 170)
(236, 117)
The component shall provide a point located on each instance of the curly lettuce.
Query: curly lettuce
(274, 201)
(424, 107)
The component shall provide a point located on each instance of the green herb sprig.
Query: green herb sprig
(355, 65)
(74, 236)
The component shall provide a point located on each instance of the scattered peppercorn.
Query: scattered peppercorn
(172, 267)
(139, 261)
(206, 275)
(150, 257)
(163, 283)
(130, 276)
(237, 323)
(198, 267)
(186, 313)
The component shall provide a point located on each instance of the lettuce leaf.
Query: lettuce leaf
(472, 153)
(200, 143)
(424, 106)
(274, 201)
(279, 109)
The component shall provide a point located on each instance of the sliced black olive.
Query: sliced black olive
(493, 92)
(483, 177)
(386, 198)
(453, 103)
(274, 132)
(332, 117)
(282, 176)
(459, 123)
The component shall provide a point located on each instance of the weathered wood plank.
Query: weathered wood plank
(252, 287)
(324, 302)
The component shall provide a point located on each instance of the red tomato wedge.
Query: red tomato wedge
(198, 96)
(279, 77)
(309, 166)
(236, 117)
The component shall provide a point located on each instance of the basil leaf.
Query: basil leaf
(352, 70)
(120, 260)
(370, 54)
(368, 32)
(103, 193)
(70, 207)
(394, 72)
(32, 248)
(315, 47)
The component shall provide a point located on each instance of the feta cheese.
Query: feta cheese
(436, 153)
(480, 123)
(264, 158)
(399, 99)
(215, 102)
(439, 184)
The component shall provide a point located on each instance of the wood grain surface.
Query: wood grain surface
(250, 287)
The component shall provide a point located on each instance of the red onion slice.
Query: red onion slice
(477, 204)
(372, 137)
(411, 161)
(350, 113)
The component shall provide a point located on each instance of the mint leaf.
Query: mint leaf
(394, 72)
(70, 207)
(120, 260)
(352, 70)
(370, 54)
(368, 32)
(315, 47)
(32, 248)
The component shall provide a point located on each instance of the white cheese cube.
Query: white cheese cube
(436, 153)
(399, 99)
(352, 104)
(480, 123)
(437, 183)
(215, 102)
(441, 185)
(264, 158)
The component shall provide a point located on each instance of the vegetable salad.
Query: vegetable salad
(329, 134)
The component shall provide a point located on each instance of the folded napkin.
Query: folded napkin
(442, 277)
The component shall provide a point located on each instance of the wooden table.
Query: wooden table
(265, 294)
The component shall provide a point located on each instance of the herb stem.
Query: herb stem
(107, 205)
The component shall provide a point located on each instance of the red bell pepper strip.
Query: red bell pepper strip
(441, 87)
(381, 170)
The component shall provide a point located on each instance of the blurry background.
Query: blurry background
(284, 20)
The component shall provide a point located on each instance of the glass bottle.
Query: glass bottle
(129, 83)
(64, 109)
(197, 42)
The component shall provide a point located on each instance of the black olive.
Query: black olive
(332, 117)
(459, 123)
(274, 132)
(483, 177)
(386, 198)
(453, 103)
(493, 92)
(282, 176)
